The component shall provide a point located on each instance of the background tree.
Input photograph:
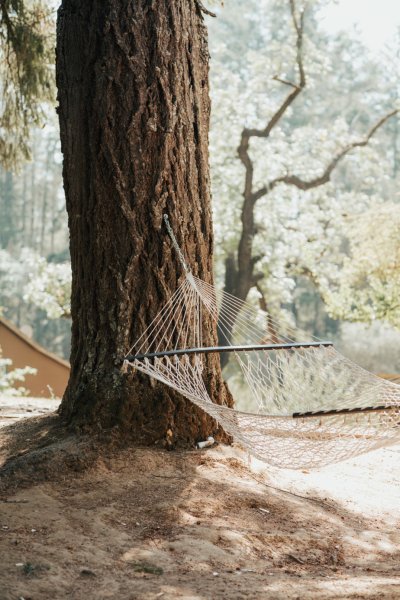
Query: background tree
(302, 236)
(34, 243)
(291, 213)
(26, 72)
(134, 111)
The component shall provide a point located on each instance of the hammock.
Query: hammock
(309, 406)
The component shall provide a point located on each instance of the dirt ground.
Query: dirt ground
(84, 520)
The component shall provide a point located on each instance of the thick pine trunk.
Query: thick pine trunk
(134, 108)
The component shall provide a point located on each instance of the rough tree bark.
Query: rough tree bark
(132, 79)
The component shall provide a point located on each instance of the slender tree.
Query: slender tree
(7, 209)
(132, 80)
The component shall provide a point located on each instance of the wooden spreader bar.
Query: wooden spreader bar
(221, 349)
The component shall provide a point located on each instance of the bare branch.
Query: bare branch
(297, 88)
(244, 276)
(203, 9)
(299, 27)
(285, 81)
(324, 178)
(246, 240)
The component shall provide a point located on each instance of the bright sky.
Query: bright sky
(376, 20)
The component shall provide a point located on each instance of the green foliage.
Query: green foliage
(143, 567)
(367, 285)
(29, 569)
(27, 42)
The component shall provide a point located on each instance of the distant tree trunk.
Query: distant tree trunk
(7, 200)
(32, 225)
(236, 285)
(51, 148)
(134, 114)
(25, 203)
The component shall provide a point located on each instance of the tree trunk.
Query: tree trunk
(8, 229)
(32, 225)
(238, 282)
(134, 108)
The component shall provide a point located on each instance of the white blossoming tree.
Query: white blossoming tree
(11, 378)
(49, 286)
(44, 284)
(303, 161)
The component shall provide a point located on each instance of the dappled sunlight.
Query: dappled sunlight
(198, 523)
(199, 210)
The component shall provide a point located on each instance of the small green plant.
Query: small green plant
(143, 567)
(30, 570)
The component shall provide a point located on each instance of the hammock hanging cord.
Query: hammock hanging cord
(306, 405)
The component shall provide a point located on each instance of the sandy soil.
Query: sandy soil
(86, 521)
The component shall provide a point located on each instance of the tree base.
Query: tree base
(140, 410)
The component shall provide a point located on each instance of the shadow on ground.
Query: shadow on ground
(86, 518)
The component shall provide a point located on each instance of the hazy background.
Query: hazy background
(314, 245)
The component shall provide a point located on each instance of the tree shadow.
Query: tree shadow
(198, 523)
(42, 448)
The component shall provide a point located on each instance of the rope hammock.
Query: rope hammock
(310, 406)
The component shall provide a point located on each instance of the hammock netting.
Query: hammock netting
(307, 405)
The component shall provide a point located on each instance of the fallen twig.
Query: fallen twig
(309, 498)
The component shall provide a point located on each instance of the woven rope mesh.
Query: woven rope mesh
(298, 403)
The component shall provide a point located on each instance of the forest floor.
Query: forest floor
(83, 519)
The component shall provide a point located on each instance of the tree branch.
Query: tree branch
(5, 17)
(244, 276)
(284, 81)
(297, 88)
(305, 185)
(203, 9)
(245, 268)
